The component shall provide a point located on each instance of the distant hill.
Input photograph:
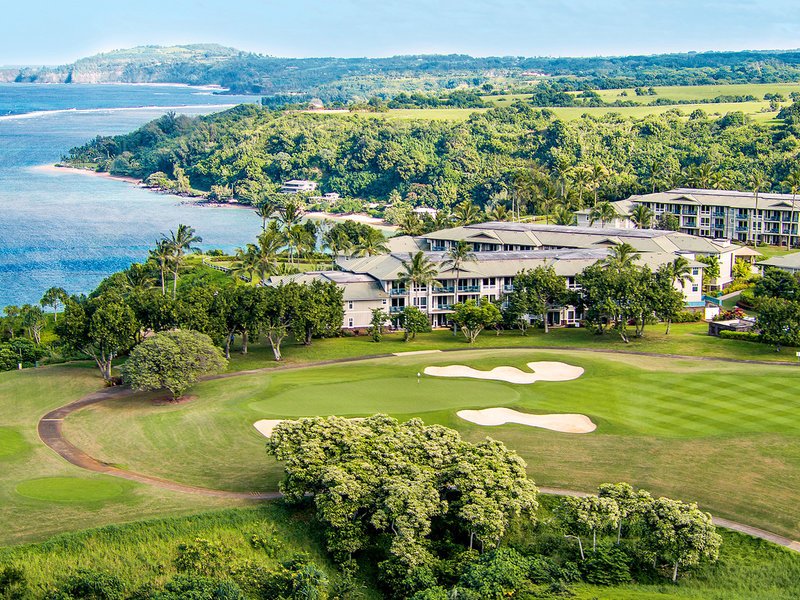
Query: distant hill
(349, 79)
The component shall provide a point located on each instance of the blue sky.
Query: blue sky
(52, 32)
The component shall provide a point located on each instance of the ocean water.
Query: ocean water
(72, 230)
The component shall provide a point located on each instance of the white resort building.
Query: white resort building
(297, 186)
(502, 250)
(720, 214)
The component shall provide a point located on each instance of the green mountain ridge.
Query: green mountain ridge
(356, 79)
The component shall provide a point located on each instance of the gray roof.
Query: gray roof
(788, 261)
(569, 236)
(566, 262)
(728, 198)
(355, 286)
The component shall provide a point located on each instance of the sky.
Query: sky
(58, 32)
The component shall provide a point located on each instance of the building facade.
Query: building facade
(726, 214)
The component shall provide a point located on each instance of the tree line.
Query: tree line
(518, 157)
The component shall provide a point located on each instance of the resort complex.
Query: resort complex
(501, 250)
(742, 216)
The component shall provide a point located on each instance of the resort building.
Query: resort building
(503, 236)
(502, 250)
(297, 186)
(789, 263)
(723, 214)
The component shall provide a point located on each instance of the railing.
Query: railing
(445, 289)
(393, 310)
(718, 213)
(773, 219)
(508, 288)
(438, 248)
(469, 288)
(398, 291)
(740, 228)
(690, 211)
(443, 307)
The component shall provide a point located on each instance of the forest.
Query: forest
(517, 155)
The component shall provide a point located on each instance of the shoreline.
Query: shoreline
(195, 200)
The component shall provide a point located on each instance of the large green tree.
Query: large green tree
(172, 360)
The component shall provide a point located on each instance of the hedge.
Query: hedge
(747, 336)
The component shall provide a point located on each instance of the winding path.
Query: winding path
(50, 432)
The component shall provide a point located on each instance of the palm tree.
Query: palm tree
(269, 245)
(497, 213)
(792, 182)
(410, 224)
(418, 271)
(180, 242)
(265, 210)
(466, 213)
(247, 264)
(680, 272)
(562, 169)
(549, 198)
(455, 258)
(642, 216)
(562, 215)
(337, 242)
(442, 220)
(290, 215)
(581, 180)
(757, 181)
(602, 212)
(372, 243)
(596, 175)
(622, 257)
(654, 170)
(162, 256)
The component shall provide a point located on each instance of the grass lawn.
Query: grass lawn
(685, 339)
(40, 493)
(677, 427)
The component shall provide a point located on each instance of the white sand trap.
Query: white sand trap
(566, 423)
(542, 371)
(265, 426)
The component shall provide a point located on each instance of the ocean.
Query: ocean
(70, 229)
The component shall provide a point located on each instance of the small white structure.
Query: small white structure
(297, 186)
(329, 198)
(424, 210)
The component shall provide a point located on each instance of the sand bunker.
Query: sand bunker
(566, 423)
(542, 371)
(265, 426)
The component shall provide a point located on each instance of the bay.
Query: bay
(60, 228)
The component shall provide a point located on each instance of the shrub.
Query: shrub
(269, 543)
(746, 336)
(544, 569)
(747, 299)
(86, 584)
(12, 582)
(608, 566)
(688, 316)
(736, 313)
(202, 557)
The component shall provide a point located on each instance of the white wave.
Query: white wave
(45, 113)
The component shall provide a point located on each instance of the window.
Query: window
(489, 281)
(350, 322)
(384, 301)
(350, 305)
(696, 271)
(694, 287)
(421, 302)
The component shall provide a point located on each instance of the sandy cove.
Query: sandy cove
(62, 169)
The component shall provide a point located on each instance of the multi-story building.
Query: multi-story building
(297, 186)
(505, 237)
(501, 250)
(726, 214)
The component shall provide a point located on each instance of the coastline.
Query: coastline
(196, 200)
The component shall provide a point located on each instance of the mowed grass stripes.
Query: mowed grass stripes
(724, 434)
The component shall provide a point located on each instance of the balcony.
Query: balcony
(443, 307)
(398, 291)
(445, 289)
(468, 288)
(689, 211)
(393, 310)
(773, 219)
(508, 289)
(717, 213)
(741, 229)
(438, 248)
(742, 216)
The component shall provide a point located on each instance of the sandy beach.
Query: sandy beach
(58, 169)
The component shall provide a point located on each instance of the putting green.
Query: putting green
(11, 442)
(392, 395)
(70, 489)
